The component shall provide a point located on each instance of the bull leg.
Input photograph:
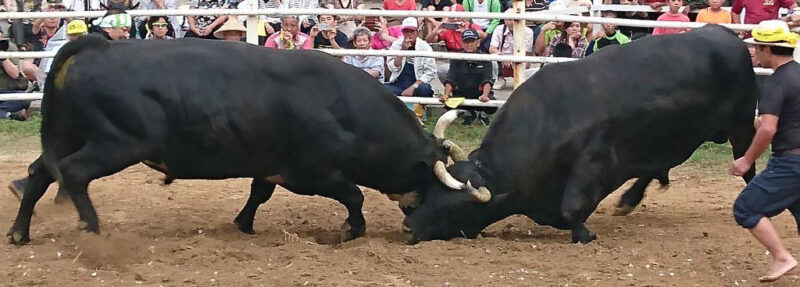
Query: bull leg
(260, 191)
(91, 162)
(632, 197)
(576, 207)
(38, 181)
(351, 197)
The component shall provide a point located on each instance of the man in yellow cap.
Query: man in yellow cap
(777, 188)
(75, 29)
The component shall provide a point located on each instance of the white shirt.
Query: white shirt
(482, 7)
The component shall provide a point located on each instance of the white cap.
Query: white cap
(410, 23)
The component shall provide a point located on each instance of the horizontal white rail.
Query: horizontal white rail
(386, 13)
(424, 101)
(438, 55)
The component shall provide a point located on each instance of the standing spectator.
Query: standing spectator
(306, 22)
(289, 37)
(610, 35)
(159, 28)
(372, 65)
(12, 81)
(502, 43)
(487, 25)
(759, 10)
(346, 24)
(435, 5)
(232, 30)
(398, 5)
(714, 14)
(571, 36)
(204, 26)
(411, 76)
(471, 80)
(776, 188)
(82, 5)
(326, 35)
(674, 15)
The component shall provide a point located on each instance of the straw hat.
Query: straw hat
(773, 33)
(232, 24)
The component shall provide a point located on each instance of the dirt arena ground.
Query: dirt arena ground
(182, 235)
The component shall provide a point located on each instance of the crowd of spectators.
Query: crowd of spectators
(404, 76)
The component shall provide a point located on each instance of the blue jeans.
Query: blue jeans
(772, 191)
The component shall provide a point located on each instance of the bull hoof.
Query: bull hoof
(624, 210)
(17, 238)
(409, 236)
(349, 233)
(243, 226)
(584, 239)
(61, 199)
(664, 187)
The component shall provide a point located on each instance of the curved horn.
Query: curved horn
(441, 173)
(444, 121)
(455, 151)
(481, 194)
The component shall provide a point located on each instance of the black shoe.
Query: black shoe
(485, 120)
(468, 120)
(17, 187)
(20, 115)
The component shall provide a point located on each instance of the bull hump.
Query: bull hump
(61, 75)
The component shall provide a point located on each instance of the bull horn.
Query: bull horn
(455, 151)
(443, 122)
(448, 180)
(480, 194)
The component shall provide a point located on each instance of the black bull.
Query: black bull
(576, 131)
(199, 109)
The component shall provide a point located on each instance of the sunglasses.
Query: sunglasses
(160, 25)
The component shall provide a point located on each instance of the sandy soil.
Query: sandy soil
(182, 235)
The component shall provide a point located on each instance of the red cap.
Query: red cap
(457, 8)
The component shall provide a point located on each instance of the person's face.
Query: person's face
(675, 5)
(160, 28)
(362, 42)
(716, 4)
(118, 33)
(573, 29)
(290, 25)
(232, 35)
(609, 29)
(328, 19)
(753, 59)
(471, 45)
(74, 37)
(410, 36)
(762, 54)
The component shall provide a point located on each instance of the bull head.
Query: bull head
(480, 194)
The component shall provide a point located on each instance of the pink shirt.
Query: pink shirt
(392, 5)
(760, 10)
(378, 44)
(680, 17)
(301, 42)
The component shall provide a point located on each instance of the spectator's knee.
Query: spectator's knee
(424, 90)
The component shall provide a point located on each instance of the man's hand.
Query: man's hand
(330, 35)
(444, 97)
(549, 26)
(197, 31)
(408, 92)
(314, 32)
(483, 98)
(306, 23)
(406, 44)
(740, 166)
(269, 29)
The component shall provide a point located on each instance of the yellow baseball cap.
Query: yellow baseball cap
(76, 27)
(773, 33)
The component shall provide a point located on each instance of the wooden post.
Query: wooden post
(252, 23)
(519, 43)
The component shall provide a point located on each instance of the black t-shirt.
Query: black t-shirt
(467, 77)
(321, 42)
(780, 96)
(437, 7)
(630, 31)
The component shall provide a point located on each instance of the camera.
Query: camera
(450, 26)
(324, 27)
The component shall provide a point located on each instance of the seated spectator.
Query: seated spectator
(346, 24)
(232, 30)
(143, 23)
(20, 29)
(12, 81)
(411, 76)
(471, 80)
(290, 37)
(435, 5)
(204, 26)
(487, 25)
(326, 35)
(38, 74)
(715, 15)
(610, 34)
(305, 22)
(159, 28)
(570, 36)
(386, 35)
(372, 65)
(115, 26)
(502, 43)
(44, 29)
(675, 15)
(450, 31)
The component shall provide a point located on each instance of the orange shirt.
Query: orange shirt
(708, 16)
